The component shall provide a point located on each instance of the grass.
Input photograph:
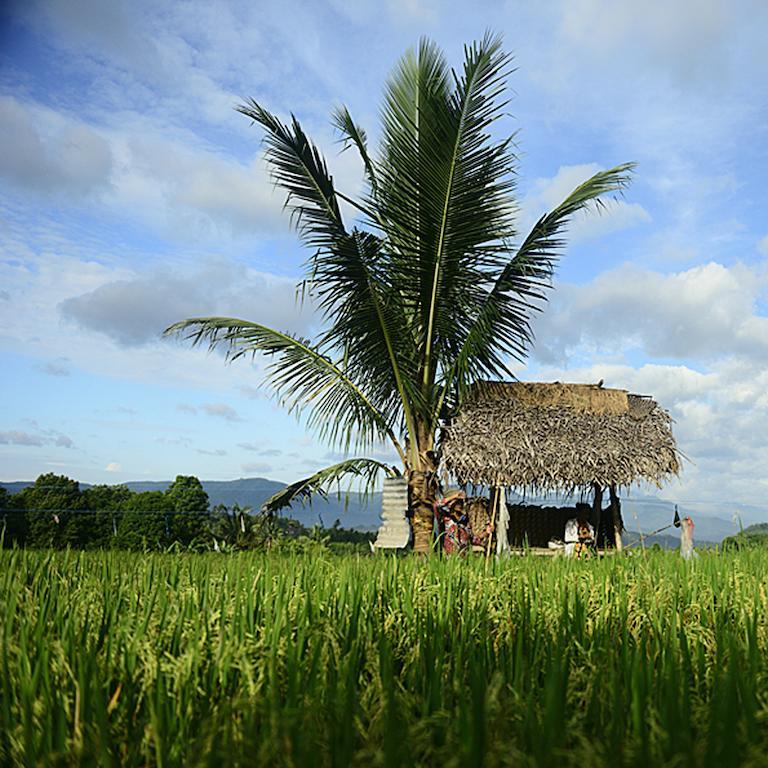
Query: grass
(255, 659)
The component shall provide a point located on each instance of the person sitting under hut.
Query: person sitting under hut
(455, 534)
(579, 533)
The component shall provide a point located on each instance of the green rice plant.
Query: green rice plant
(293, 659)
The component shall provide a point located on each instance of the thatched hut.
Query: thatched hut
(538, 439)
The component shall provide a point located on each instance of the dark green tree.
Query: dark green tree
(53, 507)
(236, 527)
(13, 521)
(105, 504)
(145, 522)
(190, 522)
(429, 290)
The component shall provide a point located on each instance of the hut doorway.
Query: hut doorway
(535, 526)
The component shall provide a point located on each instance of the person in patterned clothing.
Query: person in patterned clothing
(455, 533)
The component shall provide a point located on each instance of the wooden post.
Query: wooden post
(616, 514)
(597, 512)
(495, 503)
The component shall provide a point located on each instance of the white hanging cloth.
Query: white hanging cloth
(502, 524)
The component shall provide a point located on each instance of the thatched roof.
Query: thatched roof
(558, 437)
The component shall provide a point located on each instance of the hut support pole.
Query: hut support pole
(495, 504)
(616, 513)
(597, 511)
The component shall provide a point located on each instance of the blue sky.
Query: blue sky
(133, 195)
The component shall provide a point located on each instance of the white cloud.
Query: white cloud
(221, 411)
(47, 437)
(252, 393)
(690, 44)
(43, 276)
(94, 26)
(189, 191)
(413, 11)
(113, 466)
(57, 367)
(614, 217)
(762, 246)
(260, 449)
(704, 313)
(17, 437)
(135, 311)
(257, 467)
(677, 91)
(166, 177)
(50, 153)
(132, 53)
(218, 410)
(547, 193)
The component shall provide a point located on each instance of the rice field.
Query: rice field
(116, 658)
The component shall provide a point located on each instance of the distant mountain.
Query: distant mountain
(19, 485)
(759, 529)
(751, 536)
(357, 512)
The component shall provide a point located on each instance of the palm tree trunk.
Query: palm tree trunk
(423, 485)
(421, 502)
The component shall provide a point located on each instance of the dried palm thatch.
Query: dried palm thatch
(543, 438)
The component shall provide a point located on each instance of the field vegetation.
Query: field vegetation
(286, 658)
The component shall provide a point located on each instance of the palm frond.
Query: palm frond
(446, 190)
(302, 377)
(353, 135)
(341, 270)
(300, 169)
(416, 104)
(503, 326)
(367, 321)
(362, 470)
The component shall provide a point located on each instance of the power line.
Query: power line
(103, 511)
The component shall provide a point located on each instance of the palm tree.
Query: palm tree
(428, 291)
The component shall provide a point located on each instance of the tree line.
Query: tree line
(54, 512)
